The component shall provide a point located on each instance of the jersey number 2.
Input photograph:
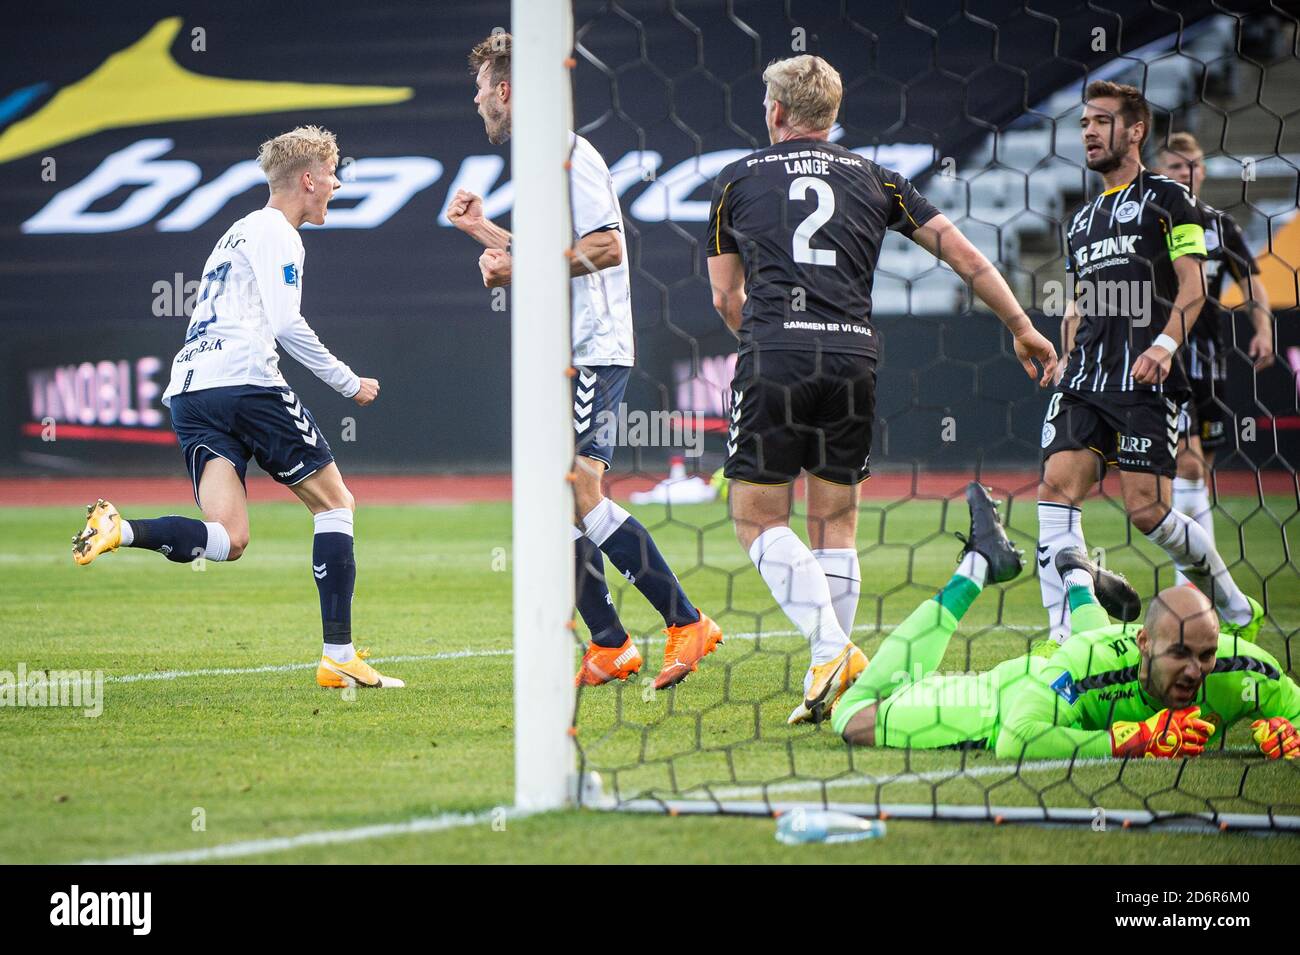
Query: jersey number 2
(217, 278)
(804, 253)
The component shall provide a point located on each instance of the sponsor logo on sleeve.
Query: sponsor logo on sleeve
(1065, 688)
(290, 274)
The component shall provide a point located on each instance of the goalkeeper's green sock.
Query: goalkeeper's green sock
(914, 650)
(1085, 613)
(965, 585)
(917, 645)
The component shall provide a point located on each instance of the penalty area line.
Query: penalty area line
(289, 667)
(1009, 769)
(325, 837)
(453, 655)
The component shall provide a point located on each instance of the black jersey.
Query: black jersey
(1119, 252)
(1227, 257)
(808, 218)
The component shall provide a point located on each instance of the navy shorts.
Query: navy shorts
(597, 394)
(249, 421)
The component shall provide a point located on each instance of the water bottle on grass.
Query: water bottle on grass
(801, 825)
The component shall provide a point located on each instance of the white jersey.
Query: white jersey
(602, 301)
(248, 302)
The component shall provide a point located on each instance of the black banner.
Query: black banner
(127, 139)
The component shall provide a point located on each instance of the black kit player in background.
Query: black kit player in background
(1206, 420)
(1134, 263)
(795, 231)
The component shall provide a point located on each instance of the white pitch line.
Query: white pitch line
(287, 667)
(930, 776)
(934, 775)
(325, 837)
(453, 655)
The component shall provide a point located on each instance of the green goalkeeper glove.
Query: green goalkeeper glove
(1166, 735)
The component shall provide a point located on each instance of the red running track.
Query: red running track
(461, 489)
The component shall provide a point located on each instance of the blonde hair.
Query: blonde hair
(290, 153)
(495, 49)
(1182, 144)
(808, 87)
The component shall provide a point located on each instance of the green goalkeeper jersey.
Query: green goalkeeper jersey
(1065, 705)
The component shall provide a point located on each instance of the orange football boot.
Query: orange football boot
(685, 648)
(356, 672)
(102, 534)
(602, 664)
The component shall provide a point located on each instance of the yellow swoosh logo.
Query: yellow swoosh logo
(142, 85)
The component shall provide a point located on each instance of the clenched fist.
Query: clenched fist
(465, 211)
(367, 393)
(495, 265)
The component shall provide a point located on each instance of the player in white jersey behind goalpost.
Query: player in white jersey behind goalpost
(603, 358)
(229, 402)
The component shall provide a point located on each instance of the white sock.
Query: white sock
(337, 521)
(799, 585)
(974, 567)
(218, 542)
(602, 520)
(1192, 551)
(1059, 526)
(339, 652)
(1193, 499)
(844, 578)
(128, 535)
(1078, 577)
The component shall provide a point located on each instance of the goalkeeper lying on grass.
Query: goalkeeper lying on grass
(1161, 690)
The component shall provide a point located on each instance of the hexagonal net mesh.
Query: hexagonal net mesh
(978, 106)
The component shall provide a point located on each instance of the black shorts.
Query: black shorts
(1205, 414)
(249, 421)
(1134, 432)
(795, 411)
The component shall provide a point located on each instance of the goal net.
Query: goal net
(981, 112)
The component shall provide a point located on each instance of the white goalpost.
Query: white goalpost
(542, 433)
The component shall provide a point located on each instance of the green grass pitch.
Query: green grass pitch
(180, 761)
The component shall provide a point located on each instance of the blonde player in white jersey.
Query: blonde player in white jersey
(603, 356)
(230, 403)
